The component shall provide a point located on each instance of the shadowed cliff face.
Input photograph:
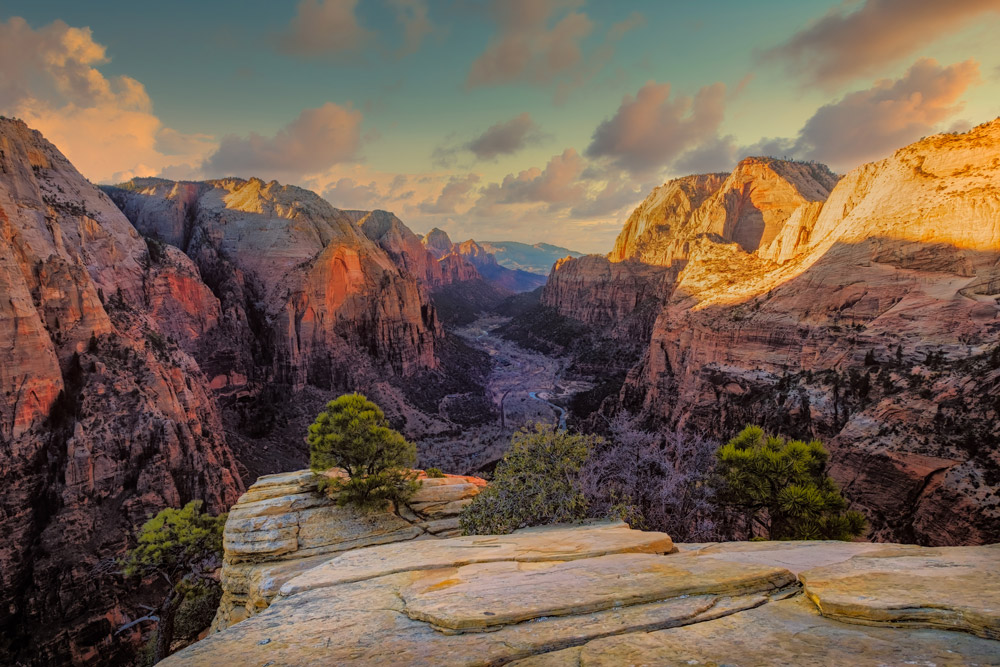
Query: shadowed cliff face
(103, 418)
(869, 320)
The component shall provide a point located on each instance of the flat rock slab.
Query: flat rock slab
(795, 556)
(364, 623)
(534, 544)
(483, 596)
(953, 588)
(789, 632)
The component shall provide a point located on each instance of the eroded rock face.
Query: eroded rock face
(299, 281)
(104, 420)
(868, 320)
(750, 207)
(602, 593)
(282, 527)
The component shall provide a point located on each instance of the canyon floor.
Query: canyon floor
(525, 386)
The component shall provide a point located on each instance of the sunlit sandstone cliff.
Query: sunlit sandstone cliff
(869, 319)
(295, 275)
(103, 417)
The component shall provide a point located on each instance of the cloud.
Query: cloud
(49, 77)
(526, 48)
(412, 17)
(316, 140)
(452, 197)
(600, 58)
(851, 41)
(651, 130)
(324, 28)
(869, 124)
(505, 138)
(555, 185)
(861, 126)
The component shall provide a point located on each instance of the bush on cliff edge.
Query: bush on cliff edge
(352, 434)
(535, 484)
(779, 489)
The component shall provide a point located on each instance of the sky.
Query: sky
(526, 120)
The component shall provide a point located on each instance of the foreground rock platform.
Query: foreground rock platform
(603, 594)
(953, 588)
(283, 527)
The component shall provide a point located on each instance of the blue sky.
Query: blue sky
(541, 120)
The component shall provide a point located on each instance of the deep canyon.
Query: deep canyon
(163, 341)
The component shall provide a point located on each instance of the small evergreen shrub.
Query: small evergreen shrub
(536, 483)
(434, 473)
(353, 434)
(780, 489)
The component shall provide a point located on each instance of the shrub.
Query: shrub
(434, 473)
(353, 434)
(653, 481)
(183, 547)
(536, 483)
(781, 490)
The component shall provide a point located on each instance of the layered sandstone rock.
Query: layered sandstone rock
(103, 418)
(283, 526)
(751, 207)
(869, 320)
(283, 259)
(569, 595)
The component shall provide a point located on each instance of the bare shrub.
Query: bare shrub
(655, 481)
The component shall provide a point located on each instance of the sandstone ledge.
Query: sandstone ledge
(283, 527)
(605, 594)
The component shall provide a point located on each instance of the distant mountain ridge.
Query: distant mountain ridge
(440, 244)
(533, 258)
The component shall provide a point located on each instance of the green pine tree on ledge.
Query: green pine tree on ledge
(781, 491)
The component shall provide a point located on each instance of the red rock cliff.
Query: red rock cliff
(870, 319)
(103, 419)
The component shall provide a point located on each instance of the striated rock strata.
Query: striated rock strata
(299, 282)
(572, 595)
(104, 418)
(867, 315)
(282, 527)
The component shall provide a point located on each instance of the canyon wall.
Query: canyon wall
(104, 418)
(866, 315)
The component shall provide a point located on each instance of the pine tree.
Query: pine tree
(353, 434)
(536, 483)
(781, 489)
(183, 548)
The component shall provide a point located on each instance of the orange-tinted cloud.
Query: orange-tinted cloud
(862, 126)
(316, 140)
(49, 77)
(652, 129)
(454, 195)
(556, 185)
(869, 124)
(851, 41)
